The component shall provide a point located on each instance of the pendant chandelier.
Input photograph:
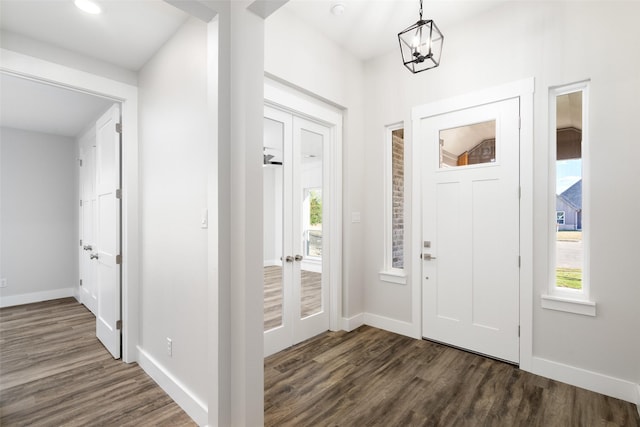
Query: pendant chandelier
(421, 45)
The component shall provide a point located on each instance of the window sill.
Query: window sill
(569, 305)
(393, 277)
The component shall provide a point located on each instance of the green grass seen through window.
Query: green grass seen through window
(569, 278)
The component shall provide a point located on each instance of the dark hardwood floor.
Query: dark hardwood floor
(54, 372)
(370, 377)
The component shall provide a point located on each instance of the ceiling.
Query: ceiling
(29, 105)
(129, 32)
(369, 28)
(126, 34)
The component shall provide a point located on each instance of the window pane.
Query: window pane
(311, 165)
(569, 247)
(468, 145)
(397, 198)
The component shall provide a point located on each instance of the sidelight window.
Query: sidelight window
(569, 279)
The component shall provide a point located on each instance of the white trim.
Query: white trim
(524, 90)
(638, 397)
(352, 323)
(391, 325)
(603, 384)
(30, 298)
(192, 405)
(289, 99)
(58, 75)
(394, 276)
(569, 305)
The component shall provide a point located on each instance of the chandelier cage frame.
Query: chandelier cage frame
(421, 45)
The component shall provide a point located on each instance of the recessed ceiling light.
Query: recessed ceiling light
(338, 9)
(88, 6)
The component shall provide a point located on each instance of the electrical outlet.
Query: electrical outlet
(169, 347)
(3, 283)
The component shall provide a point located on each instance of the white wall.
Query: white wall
(173, 175)
(39, 218)
(329, 72)
(557, 43)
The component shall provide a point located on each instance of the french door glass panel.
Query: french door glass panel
(310, 190)
(273, 218)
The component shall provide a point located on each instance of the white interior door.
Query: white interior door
(106, 252)
(88, 288)
(295, 229)
(470, 248)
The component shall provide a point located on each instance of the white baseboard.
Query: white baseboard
(603, 384)
(193, 406)
(11, 300)
(391, 325)
(352, 323)
(638, 398)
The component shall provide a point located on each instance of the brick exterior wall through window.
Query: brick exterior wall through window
(397, 198)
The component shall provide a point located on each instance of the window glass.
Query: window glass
(468, 145)
(568, 197)
(397, 198)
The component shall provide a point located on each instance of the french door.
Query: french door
(296, 286)
(470, 228)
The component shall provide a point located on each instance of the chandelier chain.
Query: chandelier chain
(421, 10)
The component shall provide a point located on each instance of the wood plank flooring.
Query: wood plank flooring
(54, 372)
(311, 284)
(370, 377)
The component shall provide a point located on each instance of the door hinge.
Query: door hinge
(118, 194)
(518, 331)
(119, 127)
(519, 261)
(519, 122)
(118, 259)
(80, 282)
(119, 324)
(80, 242)
(80, 161)
(519, 192)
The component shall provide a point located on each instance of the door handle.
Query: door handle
(93, 256)
(289, 258)
(427, 257)
(87, 247)
(299, 258)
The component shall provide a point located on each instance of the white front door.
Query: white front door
(106, 252)
(88, 288)
(470, 229)
(296, 305)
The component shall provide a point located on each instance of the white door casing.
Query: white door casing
(88, 290)
(470, 216)
(296, 327)
(107, 239)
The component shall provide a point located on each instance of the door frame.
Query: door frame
(283, 97)
(46, 72)
(524, 89)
